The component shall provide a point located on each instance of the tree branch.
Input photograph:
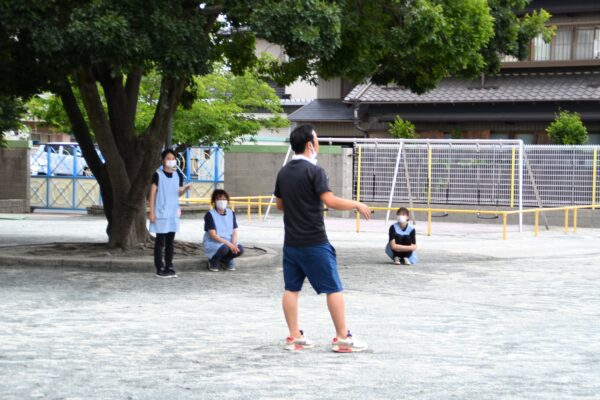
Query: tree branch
(100, 125)
(80, 128)
(132, 88)
(155, 135)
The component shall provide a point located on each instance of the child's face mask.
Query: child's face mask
(171, 164)
(402, 219)
(221, 204)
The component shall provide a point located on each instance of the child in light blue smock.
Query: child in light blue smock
(402, 242)
(220, 234)
(167, 186)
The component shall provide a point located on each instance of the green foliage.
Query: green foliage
(11, 109)
(512, 33)
(567, 128)
(49, 108)
(403, 129)
(222, 110)
(456, 133)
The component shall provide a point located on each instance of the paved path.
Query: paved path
(479, 318)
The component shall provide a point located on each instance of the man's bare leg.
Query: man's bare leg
(290, 310)
(335, 303)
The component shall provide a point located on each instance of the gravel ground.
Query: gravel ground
(478, 318)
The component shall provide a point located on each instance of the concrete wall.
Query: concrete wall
(15, 173)
(252, 169)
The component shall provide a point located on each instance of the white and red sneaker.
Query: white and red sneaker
(298, 344)
(348, 345)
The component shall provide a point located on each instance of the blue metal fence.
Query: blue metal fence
(61, 180)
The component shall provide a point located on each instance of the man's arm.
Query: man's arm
(279, 203)
(338, 203)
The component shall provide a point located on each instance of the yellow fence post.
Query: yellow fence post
(260, 209)
(594, 166)
(574, 220)
(504, 218)
(536, 223)
(512, 178)
(566, 220)
(429, 222)
(248, 208)
(358, 190)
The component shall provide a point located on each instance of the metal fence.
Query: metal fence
(477, 173)
(60, 178)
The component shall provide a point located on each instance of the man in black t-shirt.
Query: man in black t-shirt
(300, 191)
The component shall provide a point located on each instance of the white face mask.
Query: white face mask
(313, 153)
(221, 204)
(171, 164)
(402, 219)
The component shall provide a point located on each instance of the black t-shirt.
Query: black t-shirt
(413, 236)
(300, 185)
(209, 221)
(170, 175)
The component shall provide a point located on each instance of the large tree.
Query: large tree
(102, 49)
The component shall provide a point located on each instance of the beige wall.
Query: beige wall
(15, 172)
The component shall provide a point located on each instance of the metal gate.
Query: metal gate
(61, 180)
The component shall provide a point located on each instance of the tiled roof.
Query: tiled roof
(526, 87)
(328, 110)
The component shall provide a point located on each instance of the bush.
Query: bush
(567, 128)
(402, 129)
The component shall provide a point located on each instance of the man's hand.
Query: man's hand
(152, 217)
(364, 210)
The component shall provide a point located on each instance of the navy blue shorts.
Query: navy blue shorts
(318, 263)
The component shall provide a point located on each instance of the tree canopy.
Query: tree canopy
(96, 54)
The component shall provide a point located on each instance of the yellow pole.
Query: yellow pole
(248, 207)
(566, 220)
(594, 169)
(574, 220)
(358, 190)
(512, 178)
(504, 218)
(536, 223)
(260, 209)
(429, 175)
(429, 223)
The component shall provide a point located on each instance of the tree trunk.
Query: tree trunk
(129, 159)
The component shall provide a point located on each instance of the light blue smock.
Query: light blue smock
(166, 205)
(224, 228)
(388, 249)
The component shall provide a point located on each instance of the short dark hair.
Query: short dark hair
(403, 210)
(218, 193)
(167, 151)
(300, 136)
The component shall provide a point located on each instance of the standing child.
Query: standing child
(220, 234)
(402, 240)
(164, 211)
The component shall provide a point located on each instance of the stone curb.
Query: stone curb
(142, 264)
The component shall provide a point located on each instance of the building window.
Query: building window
(569, 43)
(593, 138)
(561, 44)
(588, 43)
(541, 49)
(527, 138)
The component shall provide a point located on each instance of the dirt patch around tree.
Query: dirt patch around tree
(188, 256)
